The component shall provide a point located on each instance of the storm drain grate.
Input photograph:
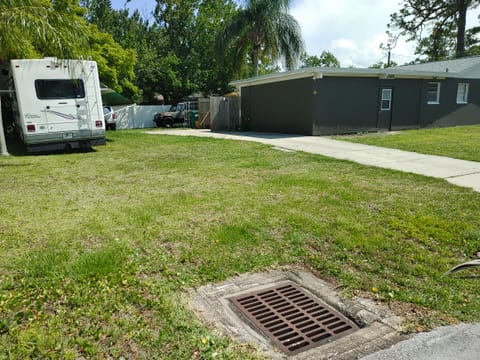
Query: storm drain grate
(294, 320)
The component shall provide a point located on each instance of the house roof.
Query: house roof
(467, 66)
(460, 68)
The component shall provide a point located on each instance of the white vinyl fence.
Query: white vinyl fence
(137, 116)
(217, 113)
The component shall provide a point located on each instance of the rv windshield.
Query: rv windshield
(48, 89)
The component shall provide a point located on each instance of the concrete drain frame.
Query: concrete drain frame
(221, 306)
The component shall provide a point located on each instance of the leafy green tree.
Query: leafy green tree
(326, 59)
(135, 33)
(472, 44)
(175, 50)
(175, 24)
(444, 21)
(115, 64)
(382, 65)
(214, 73)
(35, 28)
(440, 44)
(98, 12)
(184, 34)
(264, 31)
(113, 44)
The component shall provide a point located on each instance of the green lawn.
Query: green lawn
(461, 142)
(100, 249)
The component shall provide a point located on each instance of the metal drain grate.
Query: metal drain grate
(294, 320)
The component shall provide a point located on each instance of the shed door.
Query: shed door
(385, 108)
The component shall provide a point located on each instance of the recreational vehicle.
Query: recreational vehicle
(57, 103)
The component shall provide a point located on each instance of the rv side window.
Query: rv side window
(48, 89)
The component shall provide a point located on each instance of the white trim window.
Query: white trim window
(386, 101)
(462, 93)
(433, 93)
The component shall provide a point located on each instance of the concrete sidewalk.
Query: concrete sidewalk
(459, 172)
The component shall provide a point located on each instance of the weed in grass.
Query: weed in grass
(471, 242)
(100, 263)
(44, 263)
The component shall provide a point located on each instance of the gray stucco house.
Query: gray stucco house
(324, 101)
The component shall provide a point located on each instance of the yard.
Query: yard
(100, 249)
(461, 142)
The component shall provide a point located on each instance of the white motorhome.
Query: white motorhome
(57, 103)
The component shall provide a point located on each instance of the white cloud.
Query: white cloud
(351, 29)
(343, 44)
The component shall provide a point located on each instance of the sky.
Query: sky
(350, 29)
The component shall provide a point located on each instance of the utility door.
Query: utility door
(385, 108)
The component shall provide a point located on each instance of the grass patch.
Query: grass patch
(99, 248)
(460, 142)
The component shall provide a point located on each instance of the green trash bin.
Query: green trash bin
(192, 118)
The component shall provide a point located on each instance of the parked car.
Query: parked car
(177, 114)
(109, 118)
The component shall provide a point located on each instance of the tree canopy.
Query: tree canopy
(173, 52)
(438, 27)
(34, 28)
(383, 65)
(262, 31)
(175, 47)
(326, 59)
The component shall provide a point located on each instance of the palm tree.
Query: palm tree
(263, 29)
(32, 28)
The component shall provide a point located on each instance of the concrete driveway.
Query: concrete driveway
(459, 172)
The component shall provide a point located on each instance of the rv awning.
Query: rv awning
(112, 98)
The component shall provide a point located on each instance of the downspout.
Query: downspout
(420, 103)
(379, 86)
(313, 109)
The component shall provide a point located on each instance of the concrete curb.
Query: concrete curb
(460, 342)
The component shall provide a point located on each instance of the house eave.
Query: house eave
(319, 73)
(277, 77)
